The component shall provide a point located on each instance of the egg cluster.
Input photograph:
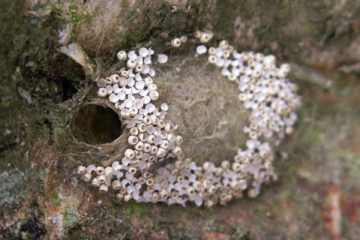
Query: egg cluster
(153, 168)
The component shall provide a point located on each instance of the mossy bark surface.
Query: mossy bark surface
(42, 90)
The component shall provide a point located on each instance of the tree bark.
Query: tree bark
(43, 91)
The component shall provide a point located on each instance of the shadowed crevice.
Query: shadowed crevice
(95, 124)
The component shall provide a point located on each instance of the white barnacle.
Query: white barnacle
(81, 170)
(177, 151)
(147, 119)
(152, 72)
(133, 111)
(253, 192)
(133, 140)
(100, 170)
(212, 59)
(121, 55)
(219, 62)
(152, 86)
(86, 177)
(223, 44)
(139, 68)
(206, 37)
(236, 167)
(149, 182)
(176, 42)
(149, 109)
(129, 153)
(132, 170)
(225, 72)
(116, 185)
(95, 182)
(114, 98)
(131, 63)
(225, 198)
(183, 39)
(147, 61)
(154, 150)
(212, 51)
(154, 95)
(179, 140)
(209, 203)
(124, 73)
(164, 107)
(151, 139)
(164, 144)
(146, 69)
(232, 77)
(147, 147)
(132, 55)
(140, 85)
(114, 78)
(139, 146)
(225, 164)
(108, 171)
(144, 52)
(161, 153)
(109, 89)
(134, 131)
(197, 34)
(103, 188)
(116, 166)
(102, 92)
(162, 58)
(227, 53)
(284, 70)
(201, 49)
(101, 179)
(141, 127)
(91, 168)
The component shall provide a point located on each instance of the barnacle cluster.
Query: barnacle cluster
(153, 167)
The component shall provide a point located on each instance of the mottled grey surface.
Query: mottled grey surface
(317, 197)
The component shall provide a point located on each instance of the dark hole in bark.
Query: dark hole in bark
(67, 75)
(33, 228)
(95, 124)
(68, 89)
(57, 79)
